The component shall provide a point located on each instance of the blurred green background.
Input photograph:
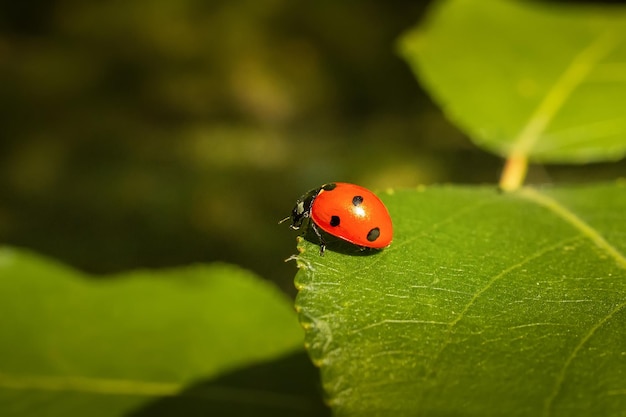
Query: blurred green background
(167, 132)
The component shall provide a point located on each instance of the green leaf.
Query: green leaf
(79, 345)
(485, 304)
(544, 81)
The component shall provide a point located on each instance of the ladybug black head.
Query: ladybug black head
(302, 209)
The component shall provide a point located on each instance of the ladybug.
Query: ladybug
(347, 211)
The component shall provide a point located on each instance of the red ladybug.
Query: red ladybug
(347, 211)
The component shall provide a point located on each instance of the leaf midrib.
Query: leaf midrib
(596, 237)
(573, 76)
(585, 231)
(141, 388)
(575, 221)
(88, 384)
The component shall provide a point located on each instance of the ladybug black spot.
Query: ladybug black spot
(334, 221)
(357, 200)
(373, 234)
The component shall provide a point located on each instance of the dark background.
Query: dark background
(162, 133)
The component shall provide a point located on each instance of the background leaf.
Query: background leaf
(75, 345)
(486, 303)
(526, 78)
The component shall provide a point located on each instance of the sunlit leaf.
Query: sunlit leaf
(485, 304)
(528, 78)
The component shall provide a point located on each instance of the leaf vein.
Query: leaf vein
(558, 384)
(86, 384)
(107, 386)
(488, 285)
(573, 75)
(576, 222)
(505, 272)
(395, 321)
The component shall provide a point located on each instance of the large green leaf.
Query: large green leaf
(528, 79)
(485, 304)
(75, 345)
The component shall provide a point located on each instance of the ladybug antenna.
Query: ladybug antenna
(284, 220)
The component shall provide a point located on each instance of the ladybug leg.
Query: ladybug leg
(321, 239)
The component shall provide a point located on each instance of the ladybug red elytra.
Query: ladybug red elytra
(347, 211)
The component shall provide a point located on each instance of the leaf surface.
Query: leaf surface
(78, 345)
(542, 81)
(486, 303)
